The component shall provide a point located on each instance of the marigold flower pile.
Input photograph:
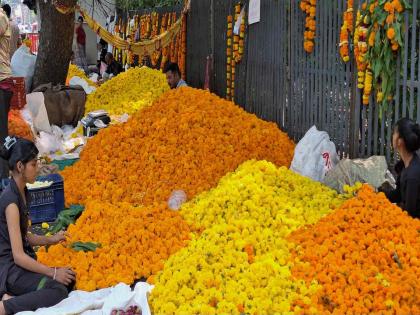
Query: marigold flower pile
(365, 256)
(19, 127)
(239, 264)
(134, 242)
(128, 92)
(187, 140)
(75, 71)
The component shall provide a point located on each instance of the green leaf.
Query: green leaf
(376, 68)
(86, 247)
(398, 37)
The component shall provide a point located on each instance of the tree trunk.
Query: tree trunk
(55, 44)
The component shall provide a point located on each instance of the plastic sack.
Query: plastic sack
(23, 65)
(177, 198)
(100, 302)
(315, 155)
(78, 81)
(36, 106)
(373, 171)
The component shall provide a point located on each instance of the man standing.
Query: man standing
(15, 33)
(6, 85)
(173, 76)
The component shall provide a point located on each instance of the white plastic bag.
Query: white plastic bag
(36, 106)
(81, 82)
(177, 198)
(23, 65)
(315, 155)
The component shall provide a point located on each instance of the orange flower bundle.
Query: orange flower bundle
(188, 139)
(155, 31)
(309, 7)
(18, 127)
(174, 45)
(134, 244)
(366, 257)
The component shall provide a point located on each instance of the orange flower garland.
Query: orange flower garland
(346, 31)
(366, 256)
(229, 58)
(309, 7)
(18, 127)
(134, 244)
(188, 139)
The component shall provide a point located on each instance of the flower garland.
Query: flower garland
(309, 7)
(158, 52)
(183, 48)
(229, 58)
(346, 31)
(165, 50)
(234, 50)
(377, 41)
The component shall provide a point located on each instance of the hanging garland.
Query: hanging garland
(346, 31)
(234, 49)
(309, 7)
(377, 42)
(229, 57)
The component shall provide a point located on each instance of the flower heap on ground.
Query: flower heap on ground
(75, 71)
(128, 92)
(365, 256)
(19, 127)
(134, 242)
(239, 264)
(187, 140)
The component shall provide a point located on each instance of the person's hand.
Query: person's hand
(58, 238)
(65, 276)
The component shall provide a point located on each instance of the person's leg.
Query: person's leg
(32, 291)
(5, 97)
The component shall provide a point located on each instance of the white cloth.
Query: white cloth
(101, 302)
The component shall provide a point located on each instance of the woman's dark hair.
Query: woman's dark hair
(409, 131)
(80, 19)
(16, 150)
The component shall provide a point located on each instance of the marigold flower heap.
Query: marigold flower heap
(128, 92)
(134, 244)
(18, 127)
(187, 140)
(366, 256)
(239, 264)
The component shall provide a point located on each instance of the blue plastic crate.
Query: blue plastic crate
(46, 203)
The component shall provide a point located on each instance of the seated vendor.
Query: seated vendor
(406, 140)
(25, 284)
(173, 76)
(113, 67)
